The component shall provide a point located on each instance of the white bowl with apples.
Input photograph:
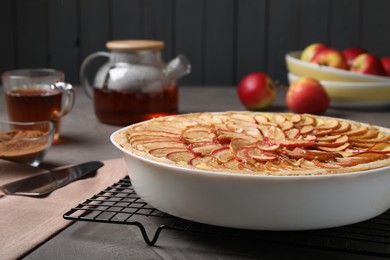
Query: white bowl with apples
(321, 71)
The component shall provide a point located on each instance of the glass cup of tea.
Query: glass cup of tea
(37, 95)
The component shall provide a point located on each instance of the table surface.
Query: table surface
(84, 138)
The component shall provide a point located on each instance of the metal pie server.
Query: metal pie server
(42, 184)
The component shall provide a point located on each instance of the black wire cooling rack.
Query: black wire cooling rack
(119, 204)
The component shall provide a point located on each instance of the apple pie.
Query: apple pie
(272, 144)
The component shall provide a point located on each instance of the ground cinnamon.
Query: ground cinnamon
(15, 144)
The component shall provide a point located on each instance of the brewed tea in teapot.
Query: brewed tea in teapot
(135, 84)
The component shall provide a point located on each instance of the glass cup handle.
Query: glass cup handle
(67, 99)
(83, 77)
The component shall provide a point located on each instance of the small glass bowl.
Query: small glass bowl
(25, 142)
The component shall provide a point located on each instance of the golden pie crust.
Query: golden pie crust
(271, 144)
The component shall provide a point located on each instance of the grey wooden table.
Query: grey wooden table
(85, 138)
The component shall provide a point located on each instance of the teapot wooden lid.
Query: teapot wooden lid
(135, 45)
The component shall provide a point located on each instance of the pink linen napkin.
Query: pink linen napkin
(27, 222)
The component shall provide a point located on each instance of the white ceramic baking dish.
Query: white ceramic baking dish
(259, 202)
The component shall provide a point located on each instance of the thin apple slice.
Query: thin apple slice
(289, 160)
(193, 135)
(214, 164)
(271, 166)
(371, 134)
(326, 165)
(328, 138)
(307, 165)
(362, 158)
(298, 153)
(305, 120)
(272, 132)
(303, 141)
(297, 143)
(205, 163)
(370, 156)
(223, 154)
(268, 124)
(343, 127)
(310, 138)
(251, 130)
(334, 143)
(334, 148)
(163, 151)
(259, 155)
(358, 159)
(321, 132)
(244, 117)
(357, 131)
(268, 147)
(293, 133)
(306, 129)
(205, 149)
(380, 138)
(234, 164)
(225, 137)
(158, 144)
(158, 127)
(149, 139)
(383, 147)
(241, 155)
(154, 133)
(180, 157)
(241, 142)
(219, 127)
(284, 165)
(211, 119)
(296, 118)
(261, 119)
(286, 125)
(200, 161)
(279, 119)
(328, 124)
(358, 145)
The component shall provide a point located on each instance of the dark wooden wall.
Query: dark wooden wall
(223, 39)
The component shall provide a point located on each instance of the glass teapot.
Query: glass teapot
(135, 84)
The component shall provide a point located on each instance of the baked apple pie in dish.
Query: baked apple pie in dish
(269, 171)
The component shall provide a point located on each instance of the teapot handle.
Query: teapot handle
(83, 77)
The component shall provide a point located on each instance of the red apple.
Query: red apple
(386, 65)
(368, 63)
(351, 53)
(330, 57)
(307, 95)
(256, 91)
(310, 51)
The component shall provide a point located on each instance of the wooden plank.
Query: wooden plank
(219, 42)
(251, 37)
(158, 24)
(7, 50)
(126, 19)
(94, 25)
(31, 33)
(282, 36)
(63, 38)
(313, 22)
(189, 37)
(345, 26)
(94, 31)
(375, 27)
